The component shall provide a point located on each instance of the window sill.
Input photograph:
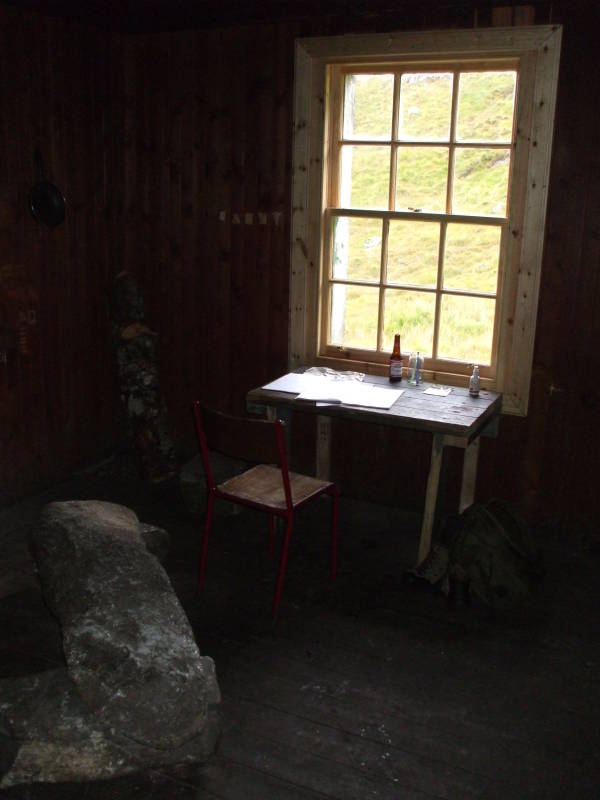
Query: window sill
(510, 403)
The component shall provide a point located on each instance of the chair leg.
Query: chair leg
(272, 536)
(282, 563)
(210, 503)
(334, 531)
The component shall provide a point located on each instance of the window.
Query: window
(415, 211)
(421, 165)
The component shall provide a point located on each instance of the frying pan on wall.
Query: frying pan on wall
(45, 199)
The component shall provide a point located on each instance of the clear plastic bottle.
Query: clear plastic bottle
(474, 382)
(415, 366)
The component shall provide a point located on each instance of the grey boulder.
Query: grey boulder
(136, 693)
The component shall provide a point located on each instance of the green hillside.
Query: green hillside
(484, 118)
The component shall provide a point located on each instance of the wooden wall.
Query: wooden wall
(206, 206)
(57, 387)
(194, 132)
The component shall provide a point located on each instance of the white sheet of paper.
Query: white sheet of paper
(352, 393)
(322, 390)
(293, 382)
(374, 397)
(441, 391)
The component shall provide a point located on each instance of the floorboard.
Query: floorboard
(372, 688)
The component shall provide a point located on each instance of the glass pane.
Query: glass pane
(471, 257)
(413, 249)
(368, 106)
(485, 106)
(425, 104)
(356, 248)
(365, 177)
(421, 178)
(354, 311)
(481, 181)
(411, 315)
(466, 329)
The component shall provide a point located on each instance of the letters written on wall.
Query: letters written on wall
(19, 329)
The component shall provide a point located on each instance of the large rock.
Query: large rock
(136, 692)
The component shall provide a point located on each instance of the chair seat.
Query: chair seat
(262, 485)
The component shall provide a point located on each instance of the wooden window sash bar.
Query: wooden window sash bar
(438, 289)
(463, 143)
(428, 216)
(355, 356)
(409, 287)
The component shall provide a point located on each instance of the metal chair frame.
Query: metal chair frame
(272, 489)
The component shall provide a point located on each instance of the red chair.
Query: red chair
(268, 486)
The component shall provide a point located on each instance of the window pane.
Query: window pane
(481, 181)
(485, 106)
(471, 257)
(365, 177)
(466, 329)
(411, 315)
(368, 106)
(422, 178)
(357, 248)
(354, 312)
(425, 104)
(413, 253)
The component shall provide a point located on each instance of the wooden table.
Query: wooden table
(454, 420)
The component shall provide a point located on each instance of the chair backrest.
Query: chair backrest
(253, 440)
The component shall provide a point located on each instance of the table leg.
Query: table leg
(323, 455)
(433, 482)
(469, 475)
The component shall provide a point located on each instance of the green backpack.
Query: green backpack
(495, 552)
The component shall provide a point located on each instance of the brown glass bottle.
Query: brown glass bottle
(396, 361)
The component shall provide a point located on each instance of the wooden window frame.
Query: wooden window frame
(440, 367)
(536, 50)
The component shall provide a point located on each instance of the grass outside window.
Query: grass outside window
(424, 168)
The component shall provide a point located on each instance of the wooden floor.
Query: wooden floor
(375, 689)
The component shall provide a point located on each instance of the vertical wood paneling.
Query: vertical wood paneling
(212, 138)
(238, 172)
(568, 360)
(191, 208)
(174, 152)
(214, 384)
(58, 412)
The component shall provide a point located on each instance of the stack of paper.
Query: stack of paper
(322, 390)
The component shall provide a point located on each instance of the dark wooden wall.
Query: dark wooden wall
(206, 206)
(176, 151)
(57, 389)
